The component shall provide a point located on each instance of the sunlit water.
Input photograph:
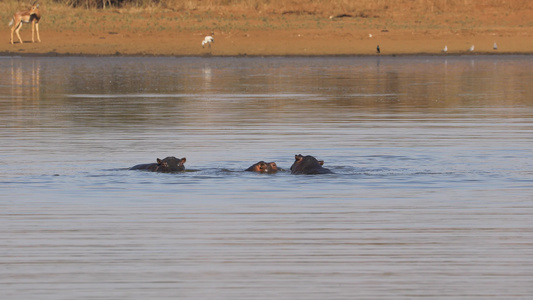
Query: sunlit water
(432, 196)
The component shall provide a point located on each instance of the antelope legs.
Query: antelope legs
(36, 25)
(34, 29)
(16, 29)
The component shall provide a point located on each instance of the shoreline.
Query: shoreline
(123, 51)
(420, 54)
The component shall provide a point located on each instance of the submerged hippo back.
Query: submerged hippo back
(145, 167)
(308, 165)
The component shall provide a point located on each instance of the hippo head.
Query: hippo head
(308, 165)
(170, 164)
(263, 167)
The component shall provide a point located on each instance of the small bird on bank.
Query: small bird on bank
(495, 47)
(378, 50)
(471, 49)
(445, 50)
(208, 40)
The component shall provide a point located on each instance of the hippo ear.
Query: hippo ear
(298, 157)
(183, 160)
(321, 162)
(159, 161)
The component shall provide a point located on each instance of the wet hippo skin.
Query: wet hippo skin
(169, 164)
(308, 165)
(263, 167)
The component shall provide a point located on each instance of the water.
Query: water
(432, 196)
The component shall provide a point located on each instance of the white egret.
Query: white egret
(208, 40)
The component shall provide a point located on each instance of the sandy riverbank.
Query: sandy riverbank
(163, 33)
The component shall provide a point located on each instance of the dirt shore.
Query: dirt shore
(284, 36)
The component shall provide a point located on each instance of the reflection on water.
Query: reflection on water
(432, 195)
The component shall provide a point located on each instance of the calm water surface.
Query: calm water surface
(432, 196)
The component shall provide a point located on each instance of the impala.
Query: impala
(32, 15)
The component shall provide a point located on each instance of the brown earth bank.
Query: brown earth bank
(163, 32)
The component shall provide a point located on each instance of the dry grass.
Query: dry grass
(397, 11)
(315, 7)
(323, 7)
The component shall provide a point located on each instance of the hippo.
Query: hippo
(263, 167)
(308, 165)
(167, 165)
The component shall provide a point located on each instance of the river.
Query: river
(432, 195)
